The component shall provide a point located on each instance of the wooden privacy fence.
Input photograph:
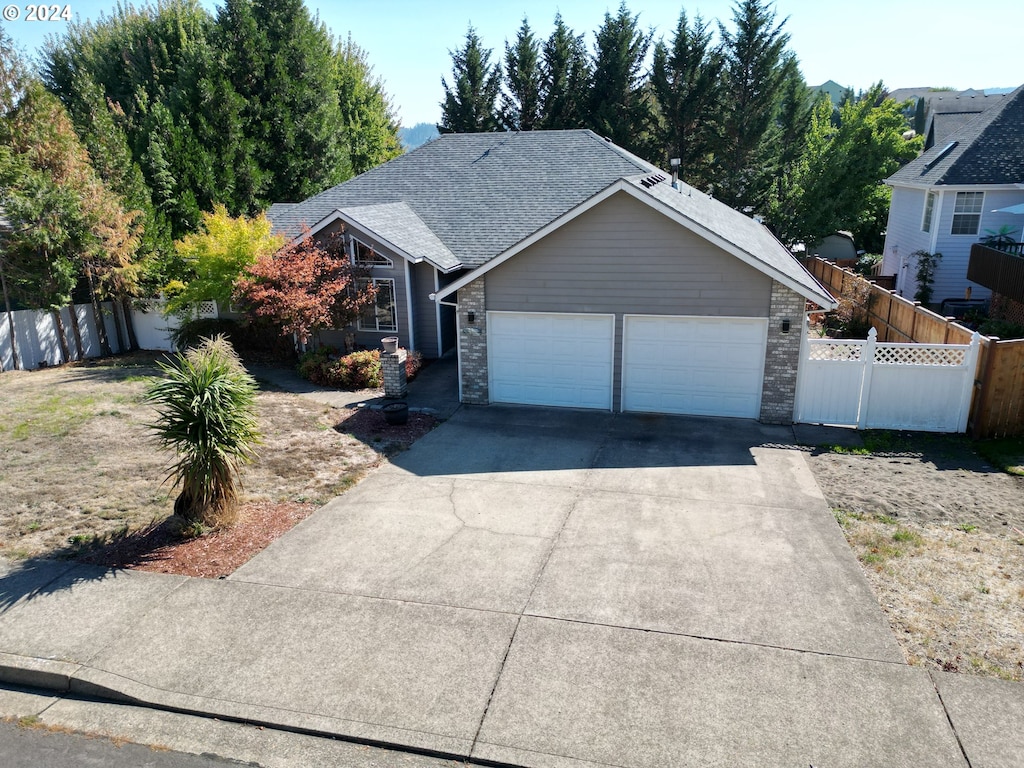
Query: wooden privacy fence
(997, 408)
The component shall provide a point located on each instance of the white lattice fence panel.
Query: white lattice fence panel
(920, 354)
(886, 386)
(821, 349)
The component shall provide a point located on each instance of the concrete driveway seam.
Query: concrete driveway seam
(533, 588)
(949, 718)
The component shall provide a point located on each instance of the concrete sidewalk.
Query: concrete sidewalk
(536, 588)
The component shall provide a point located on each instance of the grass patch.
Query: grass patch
(1006, 453)
(53, 416)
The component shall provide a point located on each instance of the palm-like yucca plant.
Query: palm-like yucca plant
(206, 407)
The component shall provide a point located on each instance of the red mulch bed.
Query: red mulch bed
(161, 549)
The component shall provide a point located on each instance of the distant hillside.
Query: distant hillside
(419, 134)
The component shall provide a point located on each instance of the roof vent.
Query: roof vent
(945, 151)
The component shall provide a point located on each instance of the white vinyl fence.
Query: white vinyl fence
(38, 343)
(872, 385)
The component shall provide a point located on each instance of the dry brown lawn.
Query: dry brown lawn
(940, 535)
(78, 465)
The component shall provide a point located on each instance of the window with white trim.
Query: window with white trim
(967, 213)
(365, 256)
(929, 209)
(382, 314)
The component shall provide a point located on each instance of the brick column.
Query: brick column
(782, 356)
(393, 369)
(473, 343)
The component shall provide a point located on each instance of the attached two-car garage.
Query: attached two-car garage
(699, 365)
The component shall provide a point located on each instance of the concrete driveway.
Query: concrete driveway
(557, 588)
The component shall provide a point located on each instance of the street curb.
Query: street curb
(95, 684)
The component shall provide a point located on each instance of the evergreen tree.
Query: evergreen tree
(686, 80)
(369, 120)
(565, 84)
(785, 141)
(521, 102)
(280, 60)
(753, 79)
(619, 107)
(470, 104)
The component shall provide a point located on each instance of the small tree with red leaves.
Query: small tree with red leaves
(305, 287)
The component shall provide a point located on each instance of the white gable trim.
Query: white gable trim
(822, 298)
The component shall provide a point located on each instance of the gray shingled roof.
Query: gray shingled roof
(479, 193)
(989, 150)
(399, 225)
(742, 232)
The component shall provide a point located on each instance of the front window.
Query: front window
(929, 207)
(364, 256)
(967, 213)
(382, 314)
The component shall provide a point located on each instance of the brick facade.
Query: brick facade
(473, 343)
(782, 356)
(393, 370)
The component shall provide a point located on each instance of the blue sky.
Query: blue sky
(941, 43)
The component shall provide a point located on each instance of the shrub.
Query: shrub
(259, 339)
(927, 263)
(313, 364)
(866, 264)
(413, 364)
(359, 370)
(206, 406)
(1001, 328)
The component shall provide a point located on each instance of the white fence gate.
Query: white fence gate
(872, 385)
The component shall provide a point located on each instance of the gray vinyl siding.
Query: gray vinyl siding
(621, 257)
(424, 310)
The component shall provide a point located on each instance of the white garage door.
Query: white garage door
(710, 366)
(542, 358)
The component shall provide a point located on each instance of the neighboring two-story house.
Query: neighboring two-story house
(953, 195)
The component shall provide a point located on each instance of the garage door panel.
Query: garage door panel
(693, 365)
(527, 359)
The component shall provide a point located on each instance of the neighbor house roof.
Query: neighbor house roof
(988, 149)
(478, 193)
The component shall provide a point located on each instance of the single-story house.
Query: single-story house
(955, 194)
(570, 272)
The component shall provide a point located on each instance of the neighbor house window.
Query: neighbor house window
(382, 314)
(967, 213)
(929, 207)
(364, 256)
